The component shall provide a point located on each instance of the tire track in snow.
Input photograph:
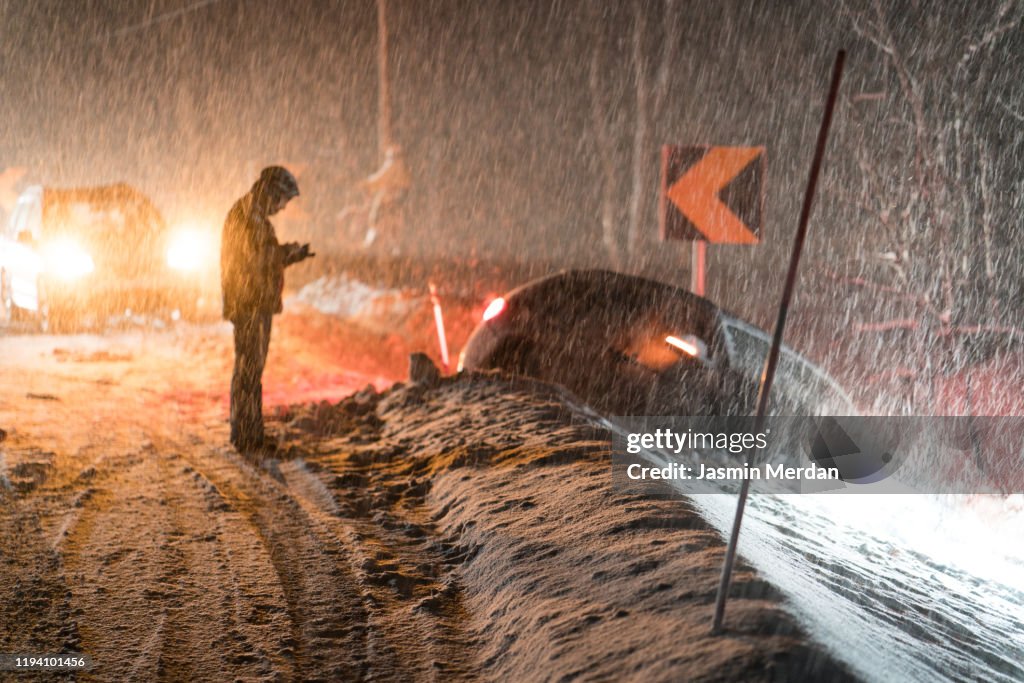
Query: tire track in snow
(329, 624)
(167, 583)
(404, 598)
(230, 617)
(114, 560)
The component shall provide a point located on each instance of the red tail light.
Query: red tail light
(494, 309)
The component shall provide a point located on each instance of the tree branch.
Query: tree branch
(1000, 27)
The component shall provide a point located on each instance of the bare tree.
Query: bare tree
(640, 164)
(603, 138)
(384, 82)
(649, 97)
(938, 221)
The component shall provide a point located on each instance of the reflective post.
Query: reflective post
(768, 375)
(442, 339)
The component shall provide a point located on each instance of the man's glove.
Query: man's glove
(294, 252)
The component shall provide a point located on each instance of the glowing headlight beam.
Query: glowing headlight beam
(188, 250)
(68, 261)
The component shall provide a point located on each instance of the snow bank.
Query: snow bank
(346, 298)
(517, 543)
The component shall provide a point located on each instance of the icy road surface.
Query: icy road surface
(901, 587)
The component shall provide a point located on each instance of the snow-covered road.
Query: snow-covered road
(464, 531)
(131, 533)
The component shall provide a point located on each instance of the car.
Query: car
(70, 256)
(628, 345)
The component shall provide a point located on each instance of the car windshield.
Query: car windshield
(26, 218)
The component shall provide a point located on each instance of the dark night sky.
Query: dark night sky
(491, 102)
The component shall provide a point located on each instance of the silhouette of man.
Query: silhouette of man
(252, 264)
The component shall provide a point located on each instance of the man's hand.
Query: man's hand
(294, 252)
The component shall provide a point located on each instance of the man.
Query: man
(252, 264)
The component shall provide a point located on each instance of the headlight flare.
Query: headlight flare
(67, 260)
(683, 345)
(189, 249)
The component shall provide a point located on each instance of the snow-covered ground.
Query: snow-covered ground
(462, 531)
(466, 530)
(349, 299)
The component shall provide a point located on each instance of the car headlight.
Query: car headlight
(683, 344)
(67, 260)
(189, 249)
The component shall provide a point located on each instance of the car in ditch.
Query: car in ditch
(71, 257)
(628, 345)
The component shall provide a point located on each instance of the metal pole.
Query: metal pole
(768, 375)
(384, 85)
(698, 267)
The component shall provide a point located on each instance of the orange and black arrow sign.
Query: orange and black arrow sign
(712, 193)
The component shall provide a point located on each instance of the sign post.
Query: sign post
(711, 194)
(698, 256)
